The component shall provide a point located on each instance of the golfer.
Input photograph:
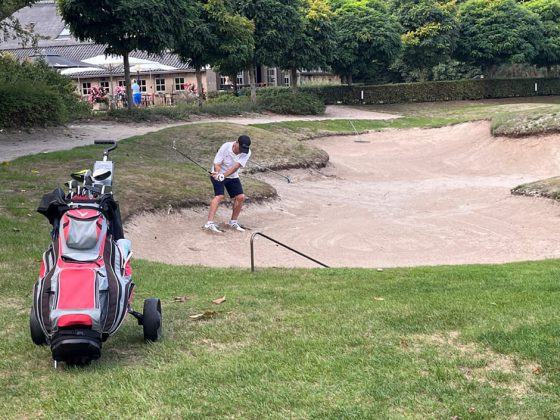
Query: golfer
(225, 176)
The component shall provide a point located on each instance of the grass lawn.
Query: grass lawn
(476, 341)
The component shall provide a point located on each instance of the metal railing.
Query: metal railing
(281, 244)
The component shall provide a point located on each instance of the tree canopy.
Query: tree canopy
(122, 26)
(548, 12)
(497, 32)
(313, 42)
(367, 35)
(430, 33)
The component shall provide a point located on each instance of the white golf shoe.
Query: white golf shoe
(234, 225)
(211, 226)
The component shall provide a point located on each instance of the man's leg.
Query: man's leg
(214, 207)
(237, 205)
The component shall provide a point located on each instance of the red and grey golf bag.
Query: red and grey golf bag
(85, 287)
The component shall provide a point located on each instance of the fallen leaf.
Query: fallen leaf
(378, 298)
(537, 370)
(205, 315)
(472, 410)
(219, 300)
(181, 298)
(404, 344)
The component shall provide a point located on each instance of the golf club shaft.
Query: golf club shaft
(189, 158)
(268, 169)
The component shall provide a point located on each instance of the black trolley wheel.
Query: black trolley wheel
(152, 320)
(37, 334)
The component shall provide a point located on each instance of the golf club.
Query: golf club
(274, 172)
(220, 176)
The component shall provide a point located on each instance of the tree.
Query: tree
(275, 21)
(220, 37)
(549, 14)
(497, 32)
(367, 36)
(314, 40)
(127, 25)
(10, 27)
(430, 33)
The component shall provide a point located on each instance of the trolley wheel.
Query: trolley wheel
(37, 334)
(152, 320)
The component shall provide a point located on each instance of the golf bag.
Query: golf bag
(85, 286)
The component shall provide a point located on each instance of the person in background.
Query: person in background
(231, 156)
(136, 95)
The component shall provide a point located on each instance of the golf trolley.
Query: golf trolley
(85, 286)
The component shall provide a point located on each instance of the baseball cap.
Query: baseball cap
(244, 143)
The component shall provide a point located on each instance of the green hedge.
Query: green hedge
(286, 101)
(434, 91)
(26, 105)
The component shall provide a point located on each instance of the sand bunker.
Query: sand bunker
(393, 198)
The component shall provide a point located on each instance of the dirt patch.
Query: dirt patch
(391, 198)
(516, 377)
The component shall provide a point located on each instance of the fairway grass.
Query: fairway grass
(471, 341)
(478, 341)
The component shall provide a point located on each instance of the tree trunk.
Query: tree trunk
(253, 85)
(293, 78)
(199, 87)
(127, 80)
(349, 79)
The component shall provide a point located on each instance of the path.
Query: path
(14, 144)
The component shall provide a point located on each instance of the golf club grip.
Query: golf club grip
(104, 142)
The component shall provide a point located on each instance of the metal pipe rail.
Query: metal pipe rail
(281, 244)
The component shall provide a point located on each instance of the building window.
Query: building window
(65, 33)
(142, 84)
(86, 88)
(240, 78)
(179, 83)
(122, 83)
(104, 84)
(224, 82)
(160, 85)
(271, 76)
(286, 80)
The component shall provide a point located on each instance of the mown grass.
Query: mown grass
(477, 341)
(471, 341)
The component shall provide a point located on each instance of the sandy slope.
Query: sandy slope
(395, 198)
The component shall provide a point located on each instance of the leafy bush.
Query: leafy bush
(288, 101)
(28, 105)
(40, 74)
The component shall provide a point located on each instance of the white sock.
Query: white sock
(231, 222)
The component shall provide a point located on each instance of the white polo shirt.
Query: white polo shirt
(227, 159)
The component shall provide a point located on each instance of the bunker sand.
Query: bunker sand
(392, 198)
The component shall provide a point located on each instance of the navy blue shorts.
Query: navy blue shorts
(232, 185)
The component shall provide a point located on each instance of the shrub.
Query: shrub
(288, 101)
(28, 105)
(13, 72)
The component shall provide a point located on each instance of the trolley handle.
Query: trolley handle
(106, 151)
